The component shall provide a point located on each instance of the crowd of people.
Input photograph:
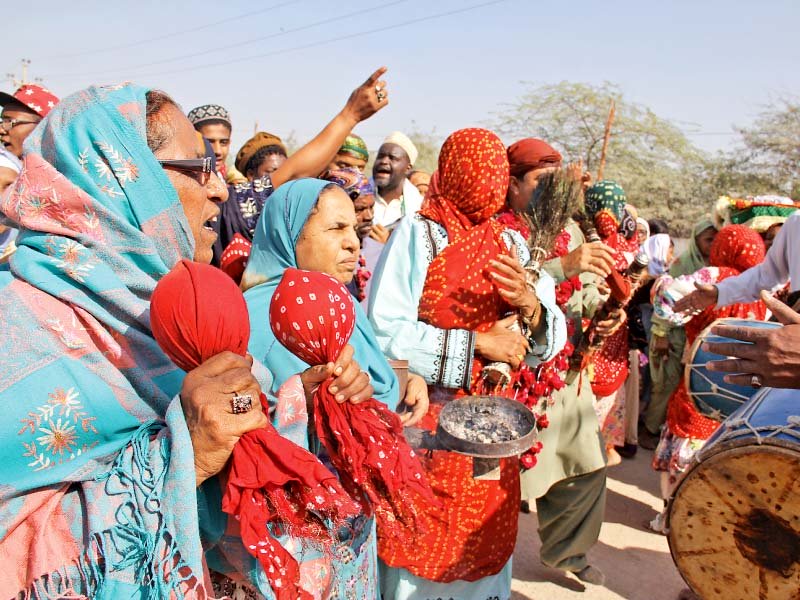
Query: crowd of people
(131, 431)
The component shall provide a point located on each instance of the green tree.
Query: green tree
(662, 172)
(772, 148)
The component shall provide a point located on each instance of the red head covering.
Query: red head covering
(531, 153)
(471, 186)
(234, 258)
(313, 316)
(40, 100)
(197, 312)
(472, 180)
(737, 247)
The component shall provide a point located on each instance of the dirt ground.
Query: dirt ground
(636, 562)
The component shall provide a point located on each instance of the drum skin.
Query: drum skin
(711, 395)
(734, 521)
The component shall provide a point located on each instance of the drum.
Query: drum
(734, 520)
(712, 397)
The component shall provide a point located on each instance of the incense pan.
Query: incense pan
(512, 422)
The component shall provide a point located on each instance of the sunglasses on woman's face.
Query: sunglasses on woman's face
(198, 169)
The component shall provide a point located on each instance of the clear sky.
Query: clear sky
(706, 65)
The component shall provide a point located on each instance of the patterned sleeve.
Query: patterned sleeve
(441, 356)
(668, 290)
(556, 329)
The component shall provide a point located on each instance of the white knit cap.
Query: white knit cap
(401, 139)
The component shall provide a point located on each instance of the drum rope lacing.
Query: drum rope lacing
(732, 429)
(715, 391)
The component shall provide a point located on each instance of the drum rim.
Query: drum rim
(731, 447)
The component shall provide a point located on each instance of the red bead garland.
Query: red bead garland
(535, 387)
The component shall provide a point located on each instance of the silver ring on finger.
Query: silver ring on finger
(241, 403)
(381, 96)
(755, 381)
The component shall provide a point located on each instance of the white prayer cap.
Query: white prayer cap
(401, 139)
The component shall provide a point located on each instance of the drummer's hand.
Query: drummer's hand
(609, 326)
(350, 383)
(416, 400)
(659, 348)
(773, 354)
(704, 296)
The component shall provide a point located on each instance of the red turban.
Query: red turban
(197, 312)
(531, 153)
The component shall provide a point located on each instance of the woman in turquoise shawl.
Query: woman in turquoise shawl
(276, 236)
(274, 250)
(97, 492)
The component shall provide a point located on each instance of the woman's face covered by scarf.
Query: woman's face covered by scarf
(605, 204)
(473, 173)
(328, 242)
(704, 240)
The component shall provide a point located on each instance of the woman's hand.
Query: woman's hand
(501, 343)
(614, 321)
(512, 284)
(593, 257)
(206, 400)
(368, 98)
(350, 383)
(416, 399)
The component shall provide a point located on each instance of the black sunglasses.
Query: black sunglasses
(197, 168)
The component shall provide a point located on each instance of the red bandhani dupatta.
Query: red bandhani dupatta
(234, 258)
(471, 187)
(197, 312)
(475, 534)
(313, 316)
(610, 363)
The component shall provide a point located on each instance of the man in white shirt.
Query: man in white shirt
(396, 197)
(781, 266)
(772, 357)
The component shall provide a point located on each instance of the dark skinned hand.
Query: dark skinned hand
(206, 397)
(772, 354)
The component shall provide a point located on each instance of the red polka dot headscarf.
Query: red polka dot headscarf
(472, 180)
(737, 247)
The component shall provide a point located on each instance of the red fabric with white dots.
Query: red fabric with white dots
(471, 187)
(234, 258)
(313, 316)
(474, 536)
(197, 312)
